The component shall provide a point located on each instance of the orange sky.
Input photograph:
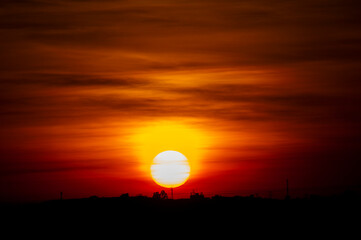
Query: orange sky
(272, 88)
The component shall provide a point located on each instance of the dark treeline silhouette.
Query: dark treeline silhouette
(198, 210)
(197, 202)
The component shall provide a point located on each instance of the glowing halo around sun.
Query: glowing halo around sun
(151, 138)
(170, 169)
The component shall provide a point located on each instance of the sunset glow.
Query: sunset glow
(160, 136)
(251, 92)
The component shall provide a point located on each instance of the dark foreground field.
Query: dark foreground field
(139, 215)
(225, 207)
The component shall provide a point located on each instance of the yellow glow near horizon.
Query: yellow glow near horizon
(170, 169)
(158, 137)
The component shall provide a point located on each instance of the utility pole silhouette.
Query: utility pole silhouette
(171, 193)
(61, 195)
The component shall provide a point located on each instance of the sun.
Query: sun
(170, 169)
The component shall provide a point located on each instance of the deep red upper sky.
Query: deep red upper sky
(268, 90)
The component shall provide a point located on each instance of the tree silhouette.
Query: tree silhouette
(161, 195)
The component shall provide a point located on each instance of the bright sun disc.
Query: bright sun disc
(170, 169)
